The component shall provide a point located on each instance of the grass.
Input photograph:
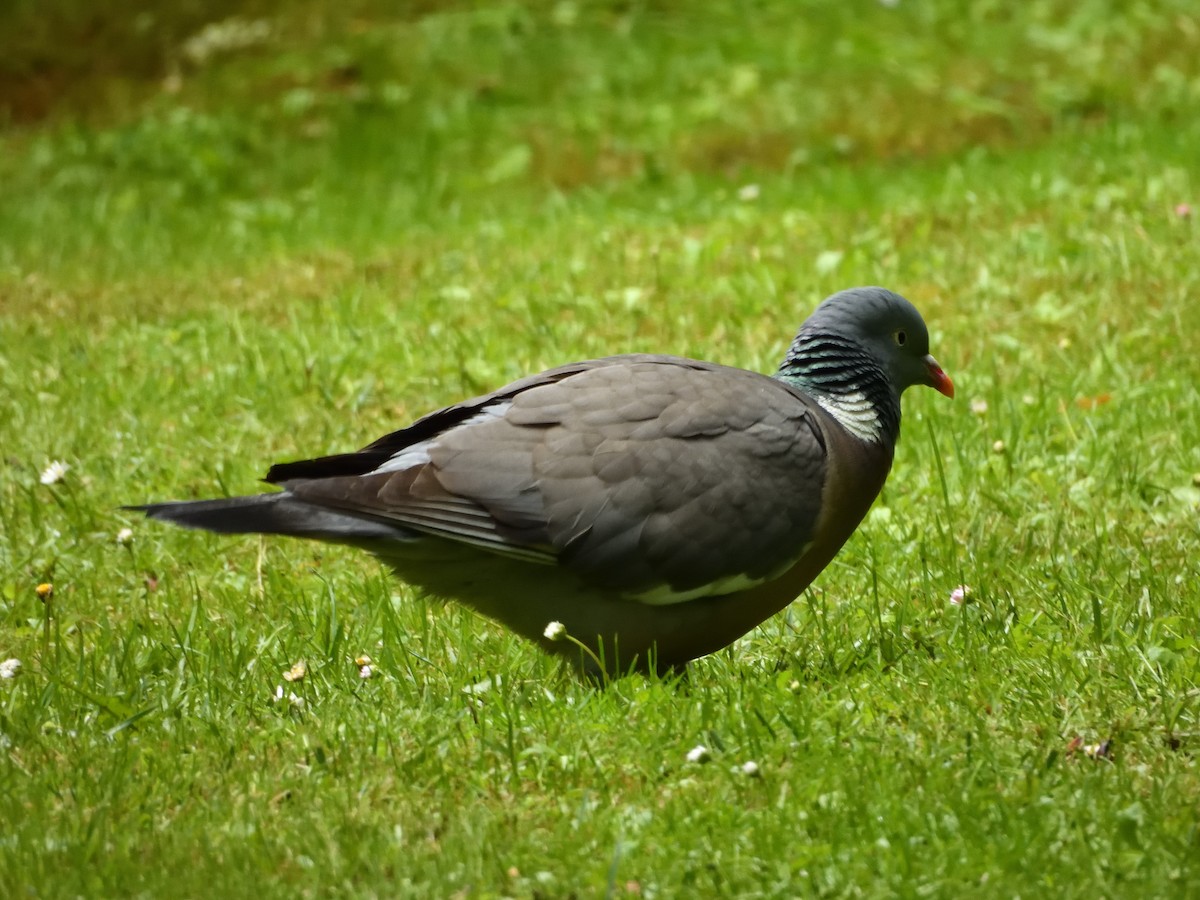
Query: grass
(291, 246)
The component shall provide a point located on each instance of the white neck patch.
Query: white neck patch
(854, 412)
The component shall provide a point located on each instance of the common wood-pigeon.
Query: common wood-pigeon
(657, 507)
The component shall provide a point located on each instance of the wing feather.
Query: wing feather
(658, 478)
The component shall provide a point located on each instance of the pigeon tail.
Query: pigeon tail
(278, 513)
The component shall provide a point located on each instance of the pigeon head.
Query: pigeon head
(889, 328)
(867, 343)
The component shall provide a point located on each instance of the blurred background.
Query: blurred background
(160, 132)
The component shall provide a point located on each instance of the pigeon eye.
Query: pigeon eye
(900, 337)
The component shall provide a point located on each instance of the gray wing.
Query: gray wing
(659, 478)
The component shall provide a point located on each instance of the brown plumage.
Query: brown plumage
(658, 507)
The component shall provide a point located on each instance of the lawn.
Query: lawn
(244, 233)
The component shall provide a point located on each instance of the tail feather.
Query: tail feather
(279, 513)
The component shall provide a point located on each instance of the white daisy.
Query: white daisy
(55, 472)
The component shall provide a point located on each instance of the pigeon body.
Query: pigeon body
(658, 507)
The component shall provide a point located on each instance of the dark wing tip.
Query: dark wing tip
(338, 465)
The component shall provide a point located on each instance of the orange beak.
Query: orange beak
(939, 380)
